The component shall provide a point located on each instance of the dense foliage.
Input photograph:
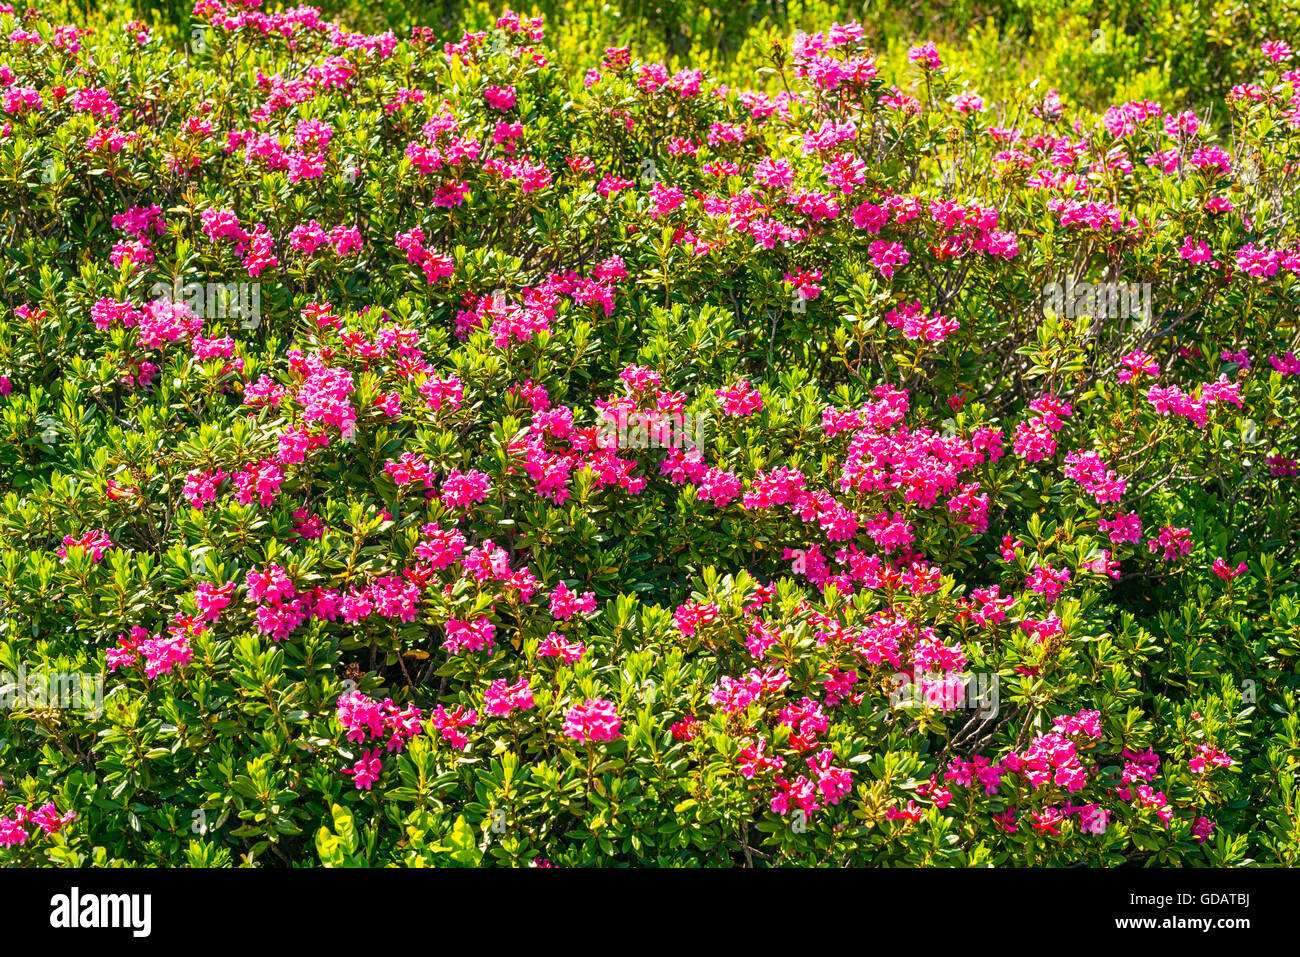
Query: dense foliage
(440, 449)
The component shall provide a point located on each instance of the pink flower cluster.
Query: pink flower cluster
(1207, 757)
(448, 724)
(95, 543)
(504, 697)
(160, 654)
(828, 783)
(13, 828)
(740, 400)
(910, 319)
(565, 603)
(475, 635)
(1099, 481)
(596, 719)
(365, 719)
(1172, 543)
(1036, 439)
(1172, 400)
(556, 645)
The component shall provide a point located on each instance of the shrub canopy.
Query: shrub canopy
(423, 449)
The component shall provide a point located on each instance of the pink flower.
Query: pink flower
(754, 760)
(12, 833)
(1196, 251)
(731, 695)
(1034, 441)
(845, 172)
(805, 282)
(1287, 365)
(565, 604)
(1138, 364)
(1225, 571)
(324, 394)
(160, 654)
(1241, 358)
(220, 225)
(439, 392)
(1207, 757)
(212, 599)
(1006, 821)
(366, 771)
(1139, 767)
(409, 468)
(127, 651)
(987, 606)
(22, 99)
(556, 645)
(1085, 723)
(1088, 469)
(611, 185)
(1174, 543)
(664, 199)
(94, 542)
(885, 256)
(870, 217)
(910, 319)
(596, 719)
(1048, 582)
(440, 547)
(48, 819)
(502, 697)
(1122, 528)
(500, 97)
(978, 770)
(925, 55)
(473, 635)
(304, 166)
(833, 783)
(776, 173)
(201, 487)
(1042, 630)
(719, 487)
(260, 482)
(263, 392)
(96, 101)
(363, 719)
(911, 813)
(449, 723)
(1276, 50)
(1104, 565)
(462, 489)
(1093, 819)
(741, 399)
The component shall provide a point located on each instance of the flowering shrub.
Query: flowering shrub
(318, 353)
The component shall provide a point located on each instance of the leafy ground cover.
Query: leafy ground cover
(439, 446)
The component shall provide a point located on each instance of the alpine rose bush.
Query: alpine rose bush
(441, 455)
